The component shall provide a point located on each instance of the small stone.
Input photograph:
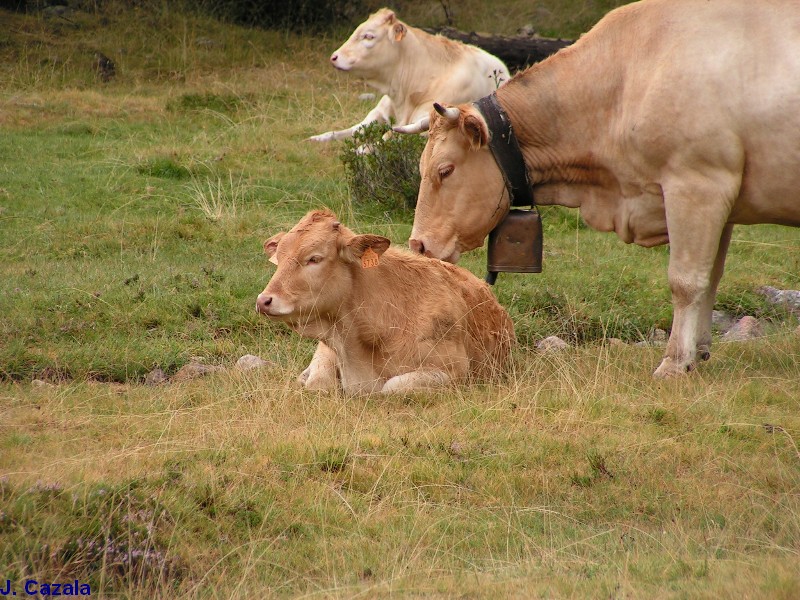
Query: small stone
(797, 331)
(40, 383)
(721, 321)
(194, 370)
(746, 328)
(615, 342)
(249, 362)
(367, 97)
(552, 344)
(657, 337)
(789, 299)
(155, 377)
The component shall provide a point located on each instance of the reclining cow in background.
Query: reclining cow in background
(669, 122)
(412, 69)
(387, 320)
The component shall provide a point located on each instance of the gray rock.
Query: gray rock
(552, 344)
(656, 337)
(789, 299)
(249, 362)
(721, 321)
(615, 342)
(366, 97)
(746, 328)
(194, 370)
(155, 377)
(41, 383)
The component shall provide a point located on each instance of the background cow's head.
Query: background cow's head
(462, 195)
(315, 260)
(373, 46)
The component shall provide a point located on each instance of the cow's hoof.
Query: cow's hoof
(669, 368)
(703, 353)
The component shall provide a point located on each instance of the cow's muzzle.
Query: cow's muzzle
(263, 304)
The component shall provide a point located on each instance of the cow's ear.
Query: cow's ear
(389, 16)
(399, 31)
(476, 130)
(271, 246)
(359, 244)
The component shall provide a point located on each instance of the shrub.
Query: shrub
(384, 171)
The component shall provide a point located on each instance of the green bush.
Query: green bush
(383, 170)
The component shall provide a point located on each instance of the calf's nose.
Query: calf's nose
(416, 246)
(334, 57)
(262, 303)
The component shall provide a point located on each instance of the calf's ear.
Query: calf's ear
(356, 247)
(399, 31)
(271, 246)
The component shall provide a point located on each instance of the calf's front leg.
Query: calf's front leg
(382, 113)
(322, 371)
(416, 380)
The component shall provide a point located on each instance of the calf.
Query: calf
(387, 320)
(412, 69)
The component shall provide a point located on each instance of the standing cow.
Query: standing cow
(669, 122)
(411, 69)
(387, 320)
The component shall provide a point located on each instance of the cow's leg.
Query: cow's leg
(704, 338)
(416, 380)
(321, 373)
(382, 113)
(698, 237)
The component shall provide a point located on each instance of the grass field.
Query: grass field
(132, 215)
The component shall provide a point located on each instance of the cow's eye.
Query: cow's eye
(314, 260)
(369, 36)
(446, 171)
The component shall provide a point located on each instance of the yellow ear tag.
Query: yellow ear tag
(369, 259)
(273, 259)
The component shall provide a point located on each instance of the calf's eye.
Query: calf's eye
(314, 260)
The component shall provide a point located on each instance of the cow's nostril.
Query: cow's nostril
(416, 246)
(262, 303)
(334, 57)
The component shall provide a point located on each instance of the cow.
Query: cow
(387, 320)
(670, 121)
(411, 69)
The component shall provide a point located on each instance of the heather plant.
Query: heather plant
(382, 168)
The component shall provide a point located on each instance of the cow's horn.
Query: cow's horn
(451, 113)
(422, 125)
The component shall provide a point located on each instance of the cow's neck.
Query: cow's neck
(554, 115)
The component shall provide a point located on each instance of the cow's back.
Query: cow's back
(661, 88)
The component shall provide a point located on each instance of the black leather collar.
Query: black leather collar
(505, 149)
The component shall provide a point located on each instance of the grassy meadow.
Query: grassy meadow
(132, 217)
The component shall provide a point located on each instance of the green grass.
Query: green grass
(132, 216)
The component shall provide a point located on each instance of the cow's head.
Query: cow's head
(315, 260)
(373, 46)
(462, 195)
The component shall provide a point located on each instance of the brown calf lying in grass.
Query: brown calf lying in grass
(387, 320)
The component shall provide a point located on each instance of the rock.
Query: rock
(746, 328)
(615, 342)
(656, 337)
(155, 377)
(552, 344)
(797, 331)
(789, 299)
(194, 370)
(249, 362)
(366, 97)
(41, 383)
(721, 321)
